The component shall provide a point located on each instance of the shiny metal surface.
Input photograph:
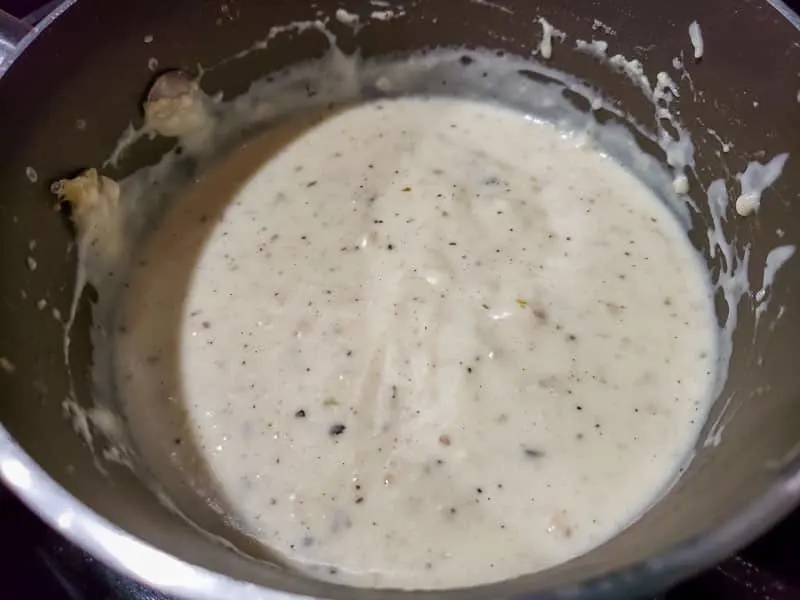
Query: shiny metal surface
(16, 34)
(11, 33)
(730, 493)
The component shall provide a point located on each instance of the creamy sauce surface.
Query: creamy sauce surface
(424, 342)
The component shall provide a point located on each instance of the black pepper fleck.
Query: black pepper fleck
(532, 452)
(336, 429)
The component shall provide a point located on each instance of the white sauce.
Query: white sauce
(776, 258)
(679, 151)
(731, 281)
(634, 70)
(681, 184)
(696, 38)
(598, 24)
(419, 348)
(546, 43)
(386, 15)
(756, 178)
(724, 146)
(346, 18)
(596, 48)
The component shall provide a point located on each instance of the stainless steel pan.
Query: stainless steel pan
(72, 84)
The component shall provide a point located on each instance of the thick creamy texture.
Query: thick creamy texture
(427, 343)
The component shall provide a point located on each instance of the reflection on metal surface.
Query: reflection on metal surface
(786, 12)
(11, 33)
(16, 473)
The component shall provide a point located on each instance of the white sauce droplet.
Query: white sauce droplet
(756, 178)
(776, 258)
(598, 24)
(386, 15)
(596, 48)
(696, 37)
(346, 18)
(681, 184)
(724, 146)
(548, 33)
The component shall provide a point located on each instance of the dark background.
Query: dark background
(35, 562)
